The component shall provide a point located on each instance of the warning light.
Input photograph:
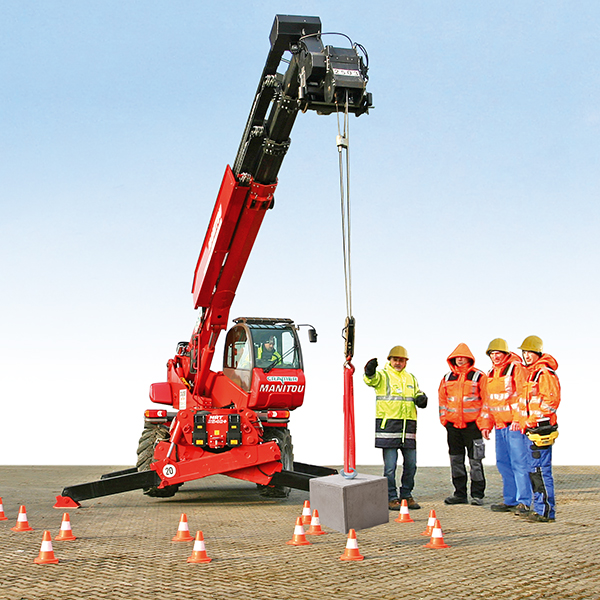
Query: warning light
(155, 414)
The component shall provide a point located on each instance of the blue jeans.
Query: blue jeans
(542, 481)
(513, 459)
(409, 468)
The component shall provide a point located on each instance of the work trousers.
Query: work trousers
(542, 481)
(409, 468)
(469, 441)
(513, 459)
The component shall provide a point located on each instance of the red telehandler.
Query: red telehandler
(234, 422)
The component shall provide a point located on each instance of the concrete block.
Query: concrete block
(345, 504)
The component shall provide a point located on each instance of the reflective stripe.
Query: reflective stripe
(393, 436)
(394, 399)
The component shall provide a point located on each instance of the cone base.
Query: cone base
(359, 557)
(309, 532)
(64, 538)
(298, 543)
(45, 561)
(427, 533)
(436, 545)
(191, 559)
(404, 519)
(183, 539)
(17, 528)
(3, 518)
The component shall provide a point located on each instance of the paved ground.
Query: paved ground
(124, 547)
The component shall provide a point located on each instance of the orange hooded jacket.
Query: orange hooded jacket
(540, 395)
(504, 381)
(462, 391)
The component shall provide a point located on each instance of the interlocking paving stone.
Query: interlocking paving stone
(124, 549)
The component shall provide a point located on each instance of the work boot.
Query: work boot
(535, 518)
(504, 507)
(477, 501)
(394, 504)
(412, 503)
(522, 511)
(456, 500)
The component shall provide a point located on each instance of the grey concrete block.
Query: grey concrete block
(345, 504)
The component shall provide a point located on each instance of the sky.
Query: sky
(475, 188)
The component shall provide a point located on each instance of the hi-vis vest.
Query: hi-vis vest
(501, 396)
(461, 397)
(395, 410)
(540, 397)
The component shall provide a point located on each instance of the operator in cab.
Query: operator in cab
(266, 354)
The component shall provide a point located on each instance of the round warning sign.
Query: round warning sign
(169, 471)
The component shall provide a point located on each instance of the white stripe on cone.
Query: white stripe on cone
(436, 533)
(299, 530)
(315, 521)
(352, 544)
(431, 522)
(183, 526)
(65, 526)
(22, 517)
(199, 546)
(46, 546)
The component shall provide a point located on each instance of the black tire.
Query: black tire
(283, 437)
(151, 435)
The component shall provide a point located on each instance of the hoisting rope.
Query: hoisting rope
(342, 140)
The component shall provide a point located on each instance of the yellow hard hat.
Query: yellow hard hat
(498, 345)
(532, 343)
(398, 352)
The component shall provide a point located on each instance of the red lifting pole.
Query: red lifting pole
(349, 431)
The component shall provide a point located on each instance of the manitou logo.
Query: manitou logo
(282, 387)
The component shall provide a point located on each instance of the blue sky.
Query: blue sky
(475, 199)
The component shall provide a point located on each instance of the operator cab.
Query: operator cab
(263, 358)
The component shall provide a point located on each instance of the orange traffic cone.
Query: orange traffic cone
(46, 555)
(404, 516)
(299, 538)
(3, 517)
(306, 518)
(430, 523)
(183, 531)
(351, 552)
(22, 523)
(315, 525)
(66, 533)
(437, 539)
(199, 552)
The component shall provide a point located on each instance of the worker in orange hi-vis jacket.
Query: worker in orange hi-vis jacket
(461, 395)
(500, 410)
(537, 405)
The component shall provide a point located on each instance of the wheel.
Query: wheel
(151, 435)
(283, 437)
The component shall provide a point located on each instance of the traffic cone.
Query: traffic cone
(315, 525)
(22, 524)
(430, 523)
(299, 538)
(46, 555)
(3, 517)
(66, 533)
(437, 539)
(306, 518)
(351, 552)
(404, 516)
(199, 552)
(183, 531)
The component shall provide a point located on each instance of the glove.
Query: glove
(421, 400)
(371, 367)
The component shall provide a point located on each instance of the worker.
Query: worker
(266, 353)
(537, 405)
(499, 411)
(397, 395)
(461, 395)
